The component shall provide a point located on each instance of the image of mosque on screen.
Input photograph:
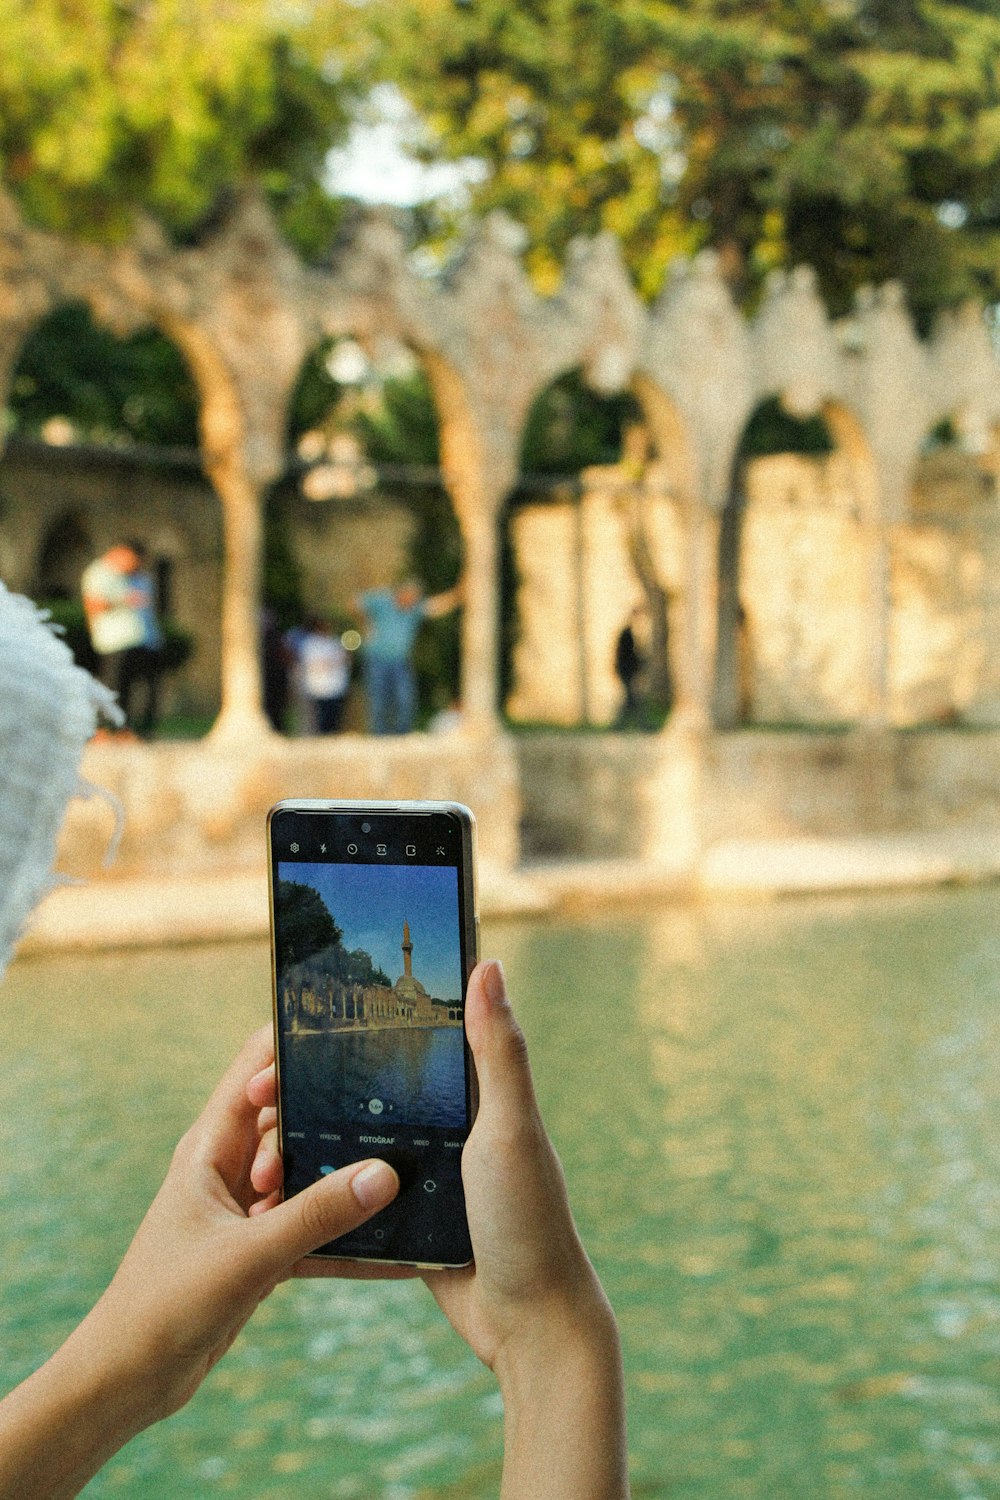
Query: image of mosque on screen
(313, 998)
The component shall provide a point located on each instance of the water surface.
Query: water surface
(416, 1074)
(781, 1130)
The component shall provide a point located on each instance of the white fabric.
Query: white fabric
(48, 711)
(324, 667)
(114, 620)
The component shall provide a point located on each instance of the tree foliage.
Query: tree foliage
(307, 935)
(112, 390)
(863, 136)
(108, 107)
(303, 925)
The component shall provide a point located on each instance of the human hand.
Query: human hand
(204, 1256)
(531, 1306)
(531, 1275)
(201, 1261)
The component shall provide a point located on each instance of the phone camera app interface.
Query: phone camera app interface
(369, 971)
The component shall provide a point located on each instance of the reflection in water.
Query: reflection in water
(781, 1131)
(418, 1076)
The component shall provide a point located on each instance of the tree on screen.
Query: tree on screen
(303, 924)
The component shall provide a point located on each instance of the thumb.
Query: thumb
(324, 1210)
(498, 1045)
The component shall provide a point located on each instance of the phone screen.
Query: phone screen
(371, 940)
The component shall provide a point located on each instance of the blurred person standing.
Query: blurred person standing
(326, 675)
(120, 607)
(302, 711)
(275, 669)
(629, 662)
(393, 617)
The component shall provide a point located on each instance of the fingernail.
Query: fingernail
(375, 1185)
(494, 982)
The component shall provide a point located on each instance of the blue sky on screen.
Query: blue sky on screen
(371, 903)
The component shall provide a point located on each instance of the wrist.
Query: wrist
(581, 1333)
(564, 1408)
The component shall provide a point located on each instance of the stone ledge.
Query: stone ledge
(743, 867)
(149, 913)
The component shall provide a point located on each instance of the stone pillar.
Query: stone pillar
(241, 496)
(481, 620)
(876, 537)
(699, 617)
(242, 532)
(479, 453)
(849, 435)
(694, 658)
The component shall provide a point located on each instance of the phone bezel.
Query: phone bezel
(468, 917)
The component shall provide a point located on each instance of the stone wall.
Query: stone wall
(804, 588)
(200, 808)
(96, 496)
(344, 547)
(575, 589)
(598, 796)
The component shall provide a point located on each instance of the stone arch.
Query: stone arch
(793, 589)
(844, 676)
(692, 620)
(87, 492)
(378, 526)
(572, 573)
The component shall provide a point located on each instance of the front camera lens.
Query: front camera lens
(366, 828)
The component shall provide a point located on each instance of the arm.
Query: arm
(531, 1307)
(442, 604)
(200, 1263)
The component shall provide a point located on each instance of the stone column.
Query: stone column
(479, 453)
(242, 313)
(849, 435)
(694, 655)
(242, 531)
(699, 615)
(480, 622)
(241, 495)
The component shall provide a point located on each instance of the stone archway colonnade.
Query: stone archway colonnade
(245, 312)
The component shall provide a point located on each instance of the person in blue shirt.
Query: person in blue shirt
(393, 617)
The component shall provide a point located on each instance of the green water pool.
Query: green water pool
(781, 1129)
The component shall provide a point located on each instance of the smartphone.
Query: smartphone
(373, 937)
